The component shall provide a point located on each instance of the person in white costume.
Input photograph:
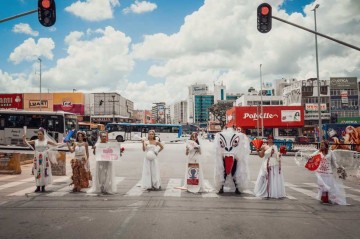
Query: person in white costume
(270, 181)
(42, 159)
(151, 172)
(330, 190)
(193, 152)
(104, 174)
(232, 150)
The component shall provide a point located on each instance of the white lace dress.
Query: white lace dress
(42, 166)
(326, 179)
(270, 181)
(194, 156)
(151, 173)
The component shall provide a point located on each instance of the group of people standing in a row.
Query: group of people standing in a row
(269, 184)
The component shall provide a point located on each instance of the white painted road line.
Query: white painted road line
(171, 190)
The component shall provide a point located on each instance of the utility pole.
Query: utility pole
(113, 101)
(262, 112)
(40, 82)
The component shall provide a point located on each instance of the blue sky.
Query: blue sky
(149, 51)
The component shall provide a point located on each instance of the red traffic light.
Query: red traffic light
(264, 16)
(45, 3)
(265, 11)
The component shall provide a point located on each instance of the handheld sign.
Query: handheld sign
(68, 136)
(109, 151)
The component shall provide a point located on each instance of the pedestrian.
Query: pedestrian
(151, 172)
(270, 181)
(194, 178)
(330, 190)
(42, 159)
(80, 163)
(104, 174)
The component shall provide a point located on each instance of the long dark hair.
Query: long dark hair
(326, 149)
(192, 137)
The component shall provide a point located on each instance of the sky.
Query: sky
(150, 51)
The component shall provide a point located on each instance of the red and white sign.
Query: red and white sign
(11, 101)
(273, 116)
(314, 107)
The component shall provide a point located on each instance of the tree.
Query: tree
(219, 111)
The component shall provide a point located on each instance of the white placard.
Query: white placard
(109, 151)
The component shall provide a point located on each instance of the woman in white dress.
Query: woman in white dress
(193, 152)
(79, 164)
(329, 189)
(151, 173)
(270, 181)
(42, 159)
(104, 174)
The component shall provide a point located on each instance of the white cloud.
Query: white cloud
(25, 28)
(140, 7)
(222, 38)
(16, 83)
(96, 61)
(93, 10)
(29, 50)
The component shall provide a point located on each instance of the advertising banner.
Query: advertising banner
(109, 151)
(342, 83)
(273, 116)
(314, 108)
(32, 101)
(70, 102)
(11, 101)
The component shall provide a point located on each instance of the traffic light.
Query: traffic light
(264, 18)
(46, 12)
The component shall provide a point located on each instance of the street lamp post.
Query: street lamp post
(40, 82)
(317, 75)
(261, 106)
(113, 101)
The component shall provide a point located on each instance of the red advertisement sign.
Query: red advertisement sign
(11, 101)
(273, 116)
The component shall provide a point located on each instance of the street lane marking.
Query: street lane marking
(171, 190)
(304, 191)
(13, 184)
(32, 188)
(3, 178)
(211, 191)
(135, 191)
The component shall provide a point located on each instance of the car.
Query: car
(302, 139)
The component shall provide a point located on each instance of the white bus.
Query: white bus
(12, 123)
(129, 131)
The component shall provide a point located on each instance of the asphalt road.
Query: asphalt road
(172, 213)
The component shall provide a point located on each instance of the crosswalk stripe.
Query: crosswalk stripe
(135, 191)
(171, 190)
(3, 178)
(31, 189)
(301, 190)
(13, 184)
(348, 195)
(211, 191)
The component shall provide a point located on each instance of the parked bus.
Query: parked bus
(127, 131)
(12, 123)
(87, 126)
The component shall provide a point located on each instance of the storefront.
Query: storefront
(38, 102)
(281, 121)
(70, 102)
(11, 101)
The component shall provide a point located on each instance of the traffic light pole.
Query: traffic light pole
(17, 16)
(317, 33)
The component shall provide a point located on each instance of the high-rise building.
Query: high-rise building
(197, 89)
(180, 112)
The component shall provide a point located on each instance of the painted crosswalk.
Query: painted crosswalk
(171, 188)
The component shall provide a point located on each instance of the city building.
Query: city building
(143, 116)
(158, 112)
(109, 107)
(201, 105)
(344, 97)
(197, 89)
(179, 112)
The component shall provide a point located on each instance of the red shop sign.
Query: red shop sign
(11, 101)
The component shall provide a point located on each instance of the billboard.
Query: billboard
(310, 108)
(273, 116)
(70, 102)
(342, 83)
(11, 101)
(32, 101)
